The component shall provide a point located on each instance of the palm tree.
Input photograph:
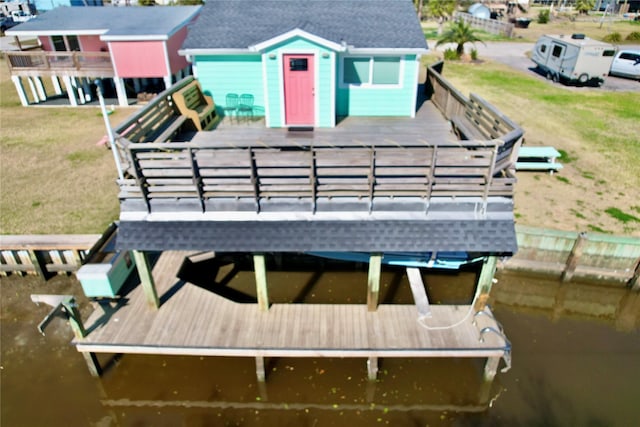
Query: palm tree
(459, 32)
(441, 10)
(584, 6)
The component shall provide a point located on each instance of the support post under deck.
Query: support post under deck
(373, 283)
(146, 278)
(372, 368)
(260, 372)
(491, 368)
(260, 269)
(20, 89)
(485, 281)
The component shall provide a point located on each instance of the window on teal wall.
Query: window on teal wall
(379, 70)
(386, 71)
(356, 70)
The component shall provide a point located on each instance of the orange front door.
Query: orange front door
(299, 90)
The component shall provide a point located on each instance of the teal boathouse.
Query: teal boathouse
(309, 63)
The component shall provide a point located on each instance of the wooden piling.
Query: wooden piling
(373, 283)
(491, 368)
(419, 293)
(372, 368)
(634, 283)
(260, 371)
(485, 282)
(260, 269)
(146, 278)
(574, 257)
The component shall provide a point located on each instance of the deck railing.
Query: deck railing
(78, 64)
(247, 175)
(487, 120)
(207, 173)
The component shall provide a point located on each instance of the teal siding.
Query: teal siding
(222, 74)
(379, 101)
(325, 75)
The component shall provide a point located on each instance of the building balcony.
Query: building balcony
(73, 64)
(434, 174)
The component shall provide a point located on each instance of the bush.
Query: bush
(451, 54)
(474, 54)
(614, 37)
(634, 36)
(543, 16)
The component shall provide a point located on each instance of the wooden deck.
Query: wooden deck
(428, 128)
(193, 321)
(74, 64)
(244, 166)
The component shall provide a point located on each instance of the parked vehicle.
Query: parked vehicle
(626, 63)
(6, 22)
(21, 16)
(573, 59)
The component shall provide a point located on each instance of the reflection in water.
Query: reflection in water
(570, 368)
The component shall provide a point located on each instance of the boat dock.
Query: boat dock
(193, 321)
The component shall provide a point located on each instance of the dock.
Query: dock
(194, 321)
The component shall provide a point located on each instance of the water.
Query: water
(569, 368)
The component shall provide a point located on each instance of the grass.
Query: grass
(562, 24)
(53, 177)
(605, 122)
(622, 216)
(597, 229)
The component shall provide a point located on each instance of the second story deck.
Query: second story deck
(366, 171)
(76, 64)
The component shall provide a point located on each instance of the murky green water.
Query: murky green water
(569, 368)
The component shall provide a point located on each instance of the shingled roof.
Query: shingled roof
(488, 236)
(109, 22)
(373, 24)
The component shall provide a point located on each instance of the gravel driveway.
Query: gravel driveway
(514, 55)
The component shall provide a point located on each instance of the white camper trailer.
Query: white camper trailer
(573, 59)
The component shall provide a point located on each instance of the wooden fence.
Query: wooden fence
(570, 255)
(43, 255)
(492, 26)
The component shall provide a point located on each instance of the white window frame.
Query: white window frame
(370, 84)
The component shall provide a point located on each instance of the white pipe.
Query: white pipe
(112, 138)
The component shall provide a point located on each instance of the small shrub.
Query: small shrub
(451, 55)
(474, 54)
(564, 157)
(634, 36)
(563, 179)
(543, 16)
(588, 175)
(596, 229)
(621, 216)
(614, 37)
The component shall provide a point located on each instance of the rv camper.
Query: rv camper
(573, 59)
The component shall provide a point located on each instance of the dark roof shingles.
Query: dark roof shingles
(228, 24)
(497, 236)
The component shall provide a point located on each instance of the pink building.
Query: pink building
(127, 50)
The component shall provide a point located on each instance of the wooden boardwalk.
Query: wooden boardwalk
(193, 321)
